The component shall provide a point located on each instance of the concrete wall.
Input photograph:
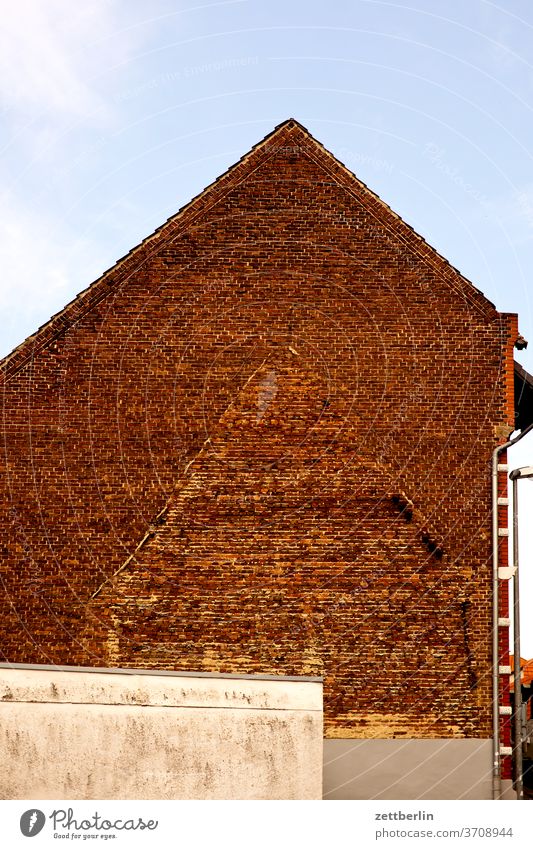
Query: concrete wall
(108, 735)
(408, 769)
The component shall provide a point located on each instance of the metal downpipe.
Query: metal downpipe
(496, 772)
(519, 781)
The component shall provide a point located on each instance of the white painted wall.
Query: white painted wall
(105, 735)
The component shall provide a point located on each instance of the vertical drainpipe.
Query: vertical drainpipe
(496, 762)
(519, 768)
(496, 772)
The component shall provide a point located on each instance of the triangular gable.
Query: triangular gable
(285, 136)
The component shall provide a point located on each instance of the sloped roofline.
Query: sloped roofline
(288, 131)
(523, 393)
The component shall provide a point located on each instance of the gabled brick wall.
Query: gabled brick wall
(262, 443)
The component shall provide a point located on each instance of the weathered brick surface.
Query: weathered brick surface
(283, 405)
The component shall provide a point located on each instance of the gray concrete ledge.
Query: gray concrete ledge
(60, 686)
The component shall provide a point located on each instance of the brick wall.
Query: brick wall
(261, 443)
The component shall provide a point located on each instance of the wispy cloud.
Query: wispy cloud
(45, 56)
(54, 56)
(514, 213)
(43, 266)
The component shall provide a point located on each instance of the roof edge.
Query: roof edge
(426, 252)
(125, 266)
(127, 670)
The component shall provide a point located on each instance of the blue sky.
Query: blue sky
(114, 114)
